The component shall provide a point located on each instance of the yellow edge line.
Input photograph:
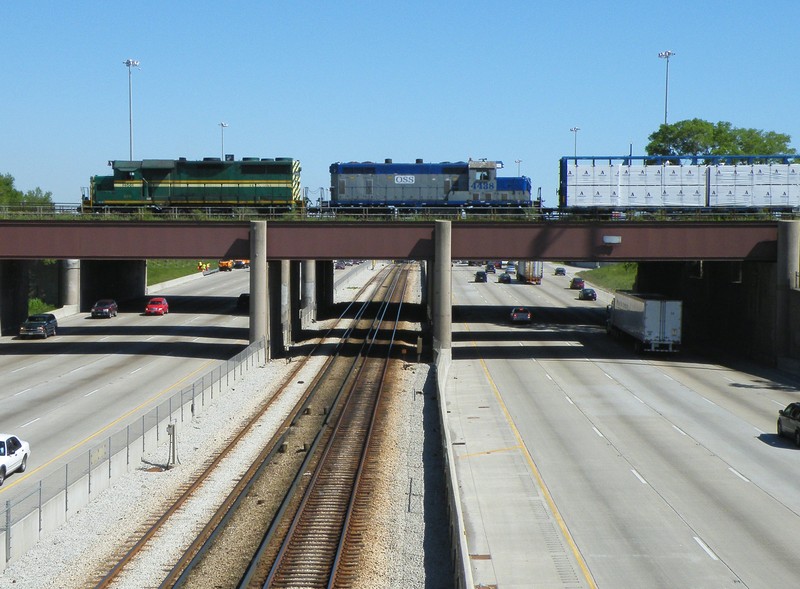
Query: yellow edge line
(539, 480)
(103, 429)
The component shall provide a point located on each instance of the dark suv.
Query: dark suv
(40, 325)
(480, 276)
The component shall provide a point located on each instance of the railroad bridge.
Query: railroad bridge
(738, 279)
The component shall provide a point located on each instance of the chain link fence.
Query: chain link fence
(96, 468)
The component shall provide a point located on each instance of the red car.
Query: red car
(157, 306)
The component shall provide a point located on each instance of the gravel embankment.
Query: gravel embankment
(408, 545)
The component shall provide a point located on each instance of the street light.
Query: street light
(575, 147)
(666, 55)
(130, 63)
(222, 139)
(518, 162)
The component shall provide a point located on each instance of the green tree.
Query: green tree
(11, 196)
(699, 137)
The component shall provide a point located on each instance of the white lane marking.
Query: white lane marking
(760, 433)
(638, 476)
(23, 391)
(638, 399)
(705, 547)
(137, 370)
(91, 393)
(709, 401)
(76, 369)
(548, 376)
(738, 474)
(667, 377)
(30, 422)
(18, 369)
(680, 431)
(608, 376)
(778, 403)
(597, 431)
(570, 400)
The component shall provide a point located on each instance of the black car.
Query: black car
(480, 276)
(504, 278)
(40, 325)
(105, 308)
(587, 294)
(789, 422)
(490, 268)
(560, 271)
(577, 283)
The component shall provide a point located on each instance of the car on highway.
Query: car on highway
(238, 264)
(520, 315)
(13, 455)
(157, 306)
(105, 308)
(490, 268)
(40, 325)
(504, 278)
(577, 283)
(560, 271)
(587, 294)
(225, 265)
(789, 422)
(480, 276)
(339, 266)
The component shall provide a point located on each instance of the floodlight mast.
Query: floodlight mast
(666, 55)
(130, 63)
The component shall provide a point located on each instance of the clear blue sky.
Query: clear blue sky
(362, 81)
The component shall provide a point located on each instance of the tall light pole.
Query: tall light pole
(130, 63)
(575, 145)
(666, 55)
(518, 162)
(222, 139)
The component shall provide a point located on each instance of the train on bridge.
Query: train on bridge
(588, 185)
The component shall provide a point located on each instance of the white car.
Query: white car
(13, 455)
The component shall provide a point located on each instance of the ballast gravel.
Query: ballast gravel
(407, 547)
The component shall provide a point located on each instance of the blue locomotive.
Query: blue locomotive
(471, 184)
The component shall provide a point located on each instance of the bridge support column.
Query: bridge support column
(259, 312)
(787, 280)
(70, 283)
(308, 293)
(442, 290)
(286, 305)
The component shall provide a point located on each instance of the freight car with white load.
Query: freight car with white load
(653, 321)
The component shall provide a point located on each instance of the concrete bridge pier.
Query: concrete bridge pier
(788, 266)
(442, 291)
(259, 309)
(70, 277)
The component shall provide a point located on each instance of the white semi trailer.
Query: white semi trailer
(530, 271)
(653, 321)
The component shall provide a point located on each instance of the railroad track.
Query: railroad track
(257, 495)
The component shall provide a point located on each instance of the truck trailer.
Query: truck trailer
(530, 271)
(653, 321)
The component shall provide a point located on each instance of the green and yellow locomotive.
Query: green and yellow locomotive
(264, 184)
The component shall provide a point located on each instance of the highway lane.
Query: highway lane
(665, 470)
(96, 374)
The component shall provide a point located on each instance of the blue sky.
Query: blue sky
(362, 81)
